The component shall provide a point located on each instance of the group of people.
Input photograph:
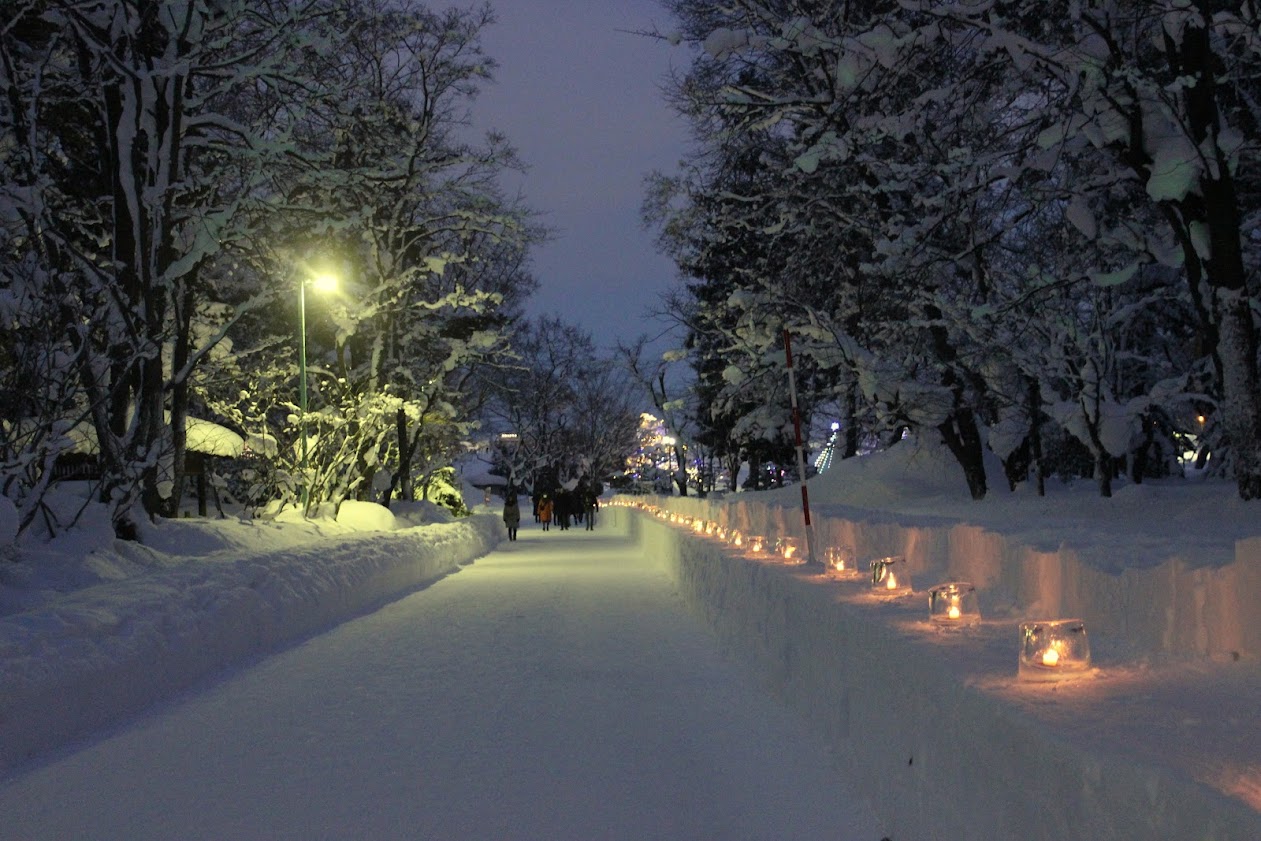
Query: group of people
(563, 507)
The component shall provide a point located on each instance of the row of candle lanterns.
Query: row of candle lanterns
(1050, 649)
(787, 548)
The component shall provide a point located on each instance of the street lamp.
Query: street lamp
(322, 283)
(508, 444)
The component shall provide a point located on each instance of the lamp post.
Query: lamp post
(508, 443)
(324, 283)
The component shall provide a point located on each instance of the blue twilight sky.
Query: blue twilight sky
(579, 96)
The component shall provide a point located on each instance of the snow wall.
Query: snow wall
(939, 753)
(106, 653)
(1172, 609)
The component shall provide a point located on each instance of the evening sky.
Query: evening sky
(578, 93)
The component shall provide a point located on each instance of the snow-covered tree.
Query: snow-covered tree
(573, 411)
(390, 195)
(815, 114)
(130, 177)
(1164, 93)
(674, 402)
(884, 178)
(172, 167)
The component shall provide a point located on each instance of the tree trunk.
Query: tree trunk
(851, 421)
(1141, 457)
(732, 463)
(680, 476)
(179, 454)
(1103, 474)
(1103, 459)
(1217, 208)
(1241, 390)
(963, 439)
(402, 478)
(1034, 396)
(960, 431)
(181, 353)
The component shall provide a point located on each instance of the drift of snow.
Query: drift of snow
(99, 629)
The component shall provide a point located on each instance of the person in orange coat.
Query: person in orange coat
(545, 511)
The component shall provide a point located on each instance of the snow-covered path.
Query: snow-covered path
(555, 689)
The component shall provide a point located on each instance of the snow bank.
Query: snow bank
(366, 516)
(104, 652)
(934, 724)
(1158, 572)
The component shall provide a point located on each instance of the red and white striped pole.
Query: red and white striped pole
(801, 454)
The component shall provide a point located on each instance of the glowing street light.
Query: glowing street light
(321, 283)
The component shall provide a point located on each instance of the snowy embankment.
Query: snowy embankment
(97, 655)
(1160, 740)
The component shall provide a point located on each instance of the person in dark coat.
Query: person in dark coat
(580, 501)
(512, 515)
(590, 504)
(564, 508)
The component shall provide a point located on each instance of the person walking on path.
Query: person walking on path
(563, 509)
(591, 503)
(545, 512)
(512, 515)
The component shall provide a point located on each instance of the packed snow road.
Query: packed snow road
(555, 689)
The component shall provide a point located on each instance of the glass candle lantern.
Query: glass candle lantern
(698, 526)
(737, 539)
(840, 562)
(889, 576)
(788, 548)
(1053, 649)
(954, 603)
(756, 543)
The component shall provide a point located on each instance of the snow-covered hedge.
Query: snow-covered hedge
(103, 653)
